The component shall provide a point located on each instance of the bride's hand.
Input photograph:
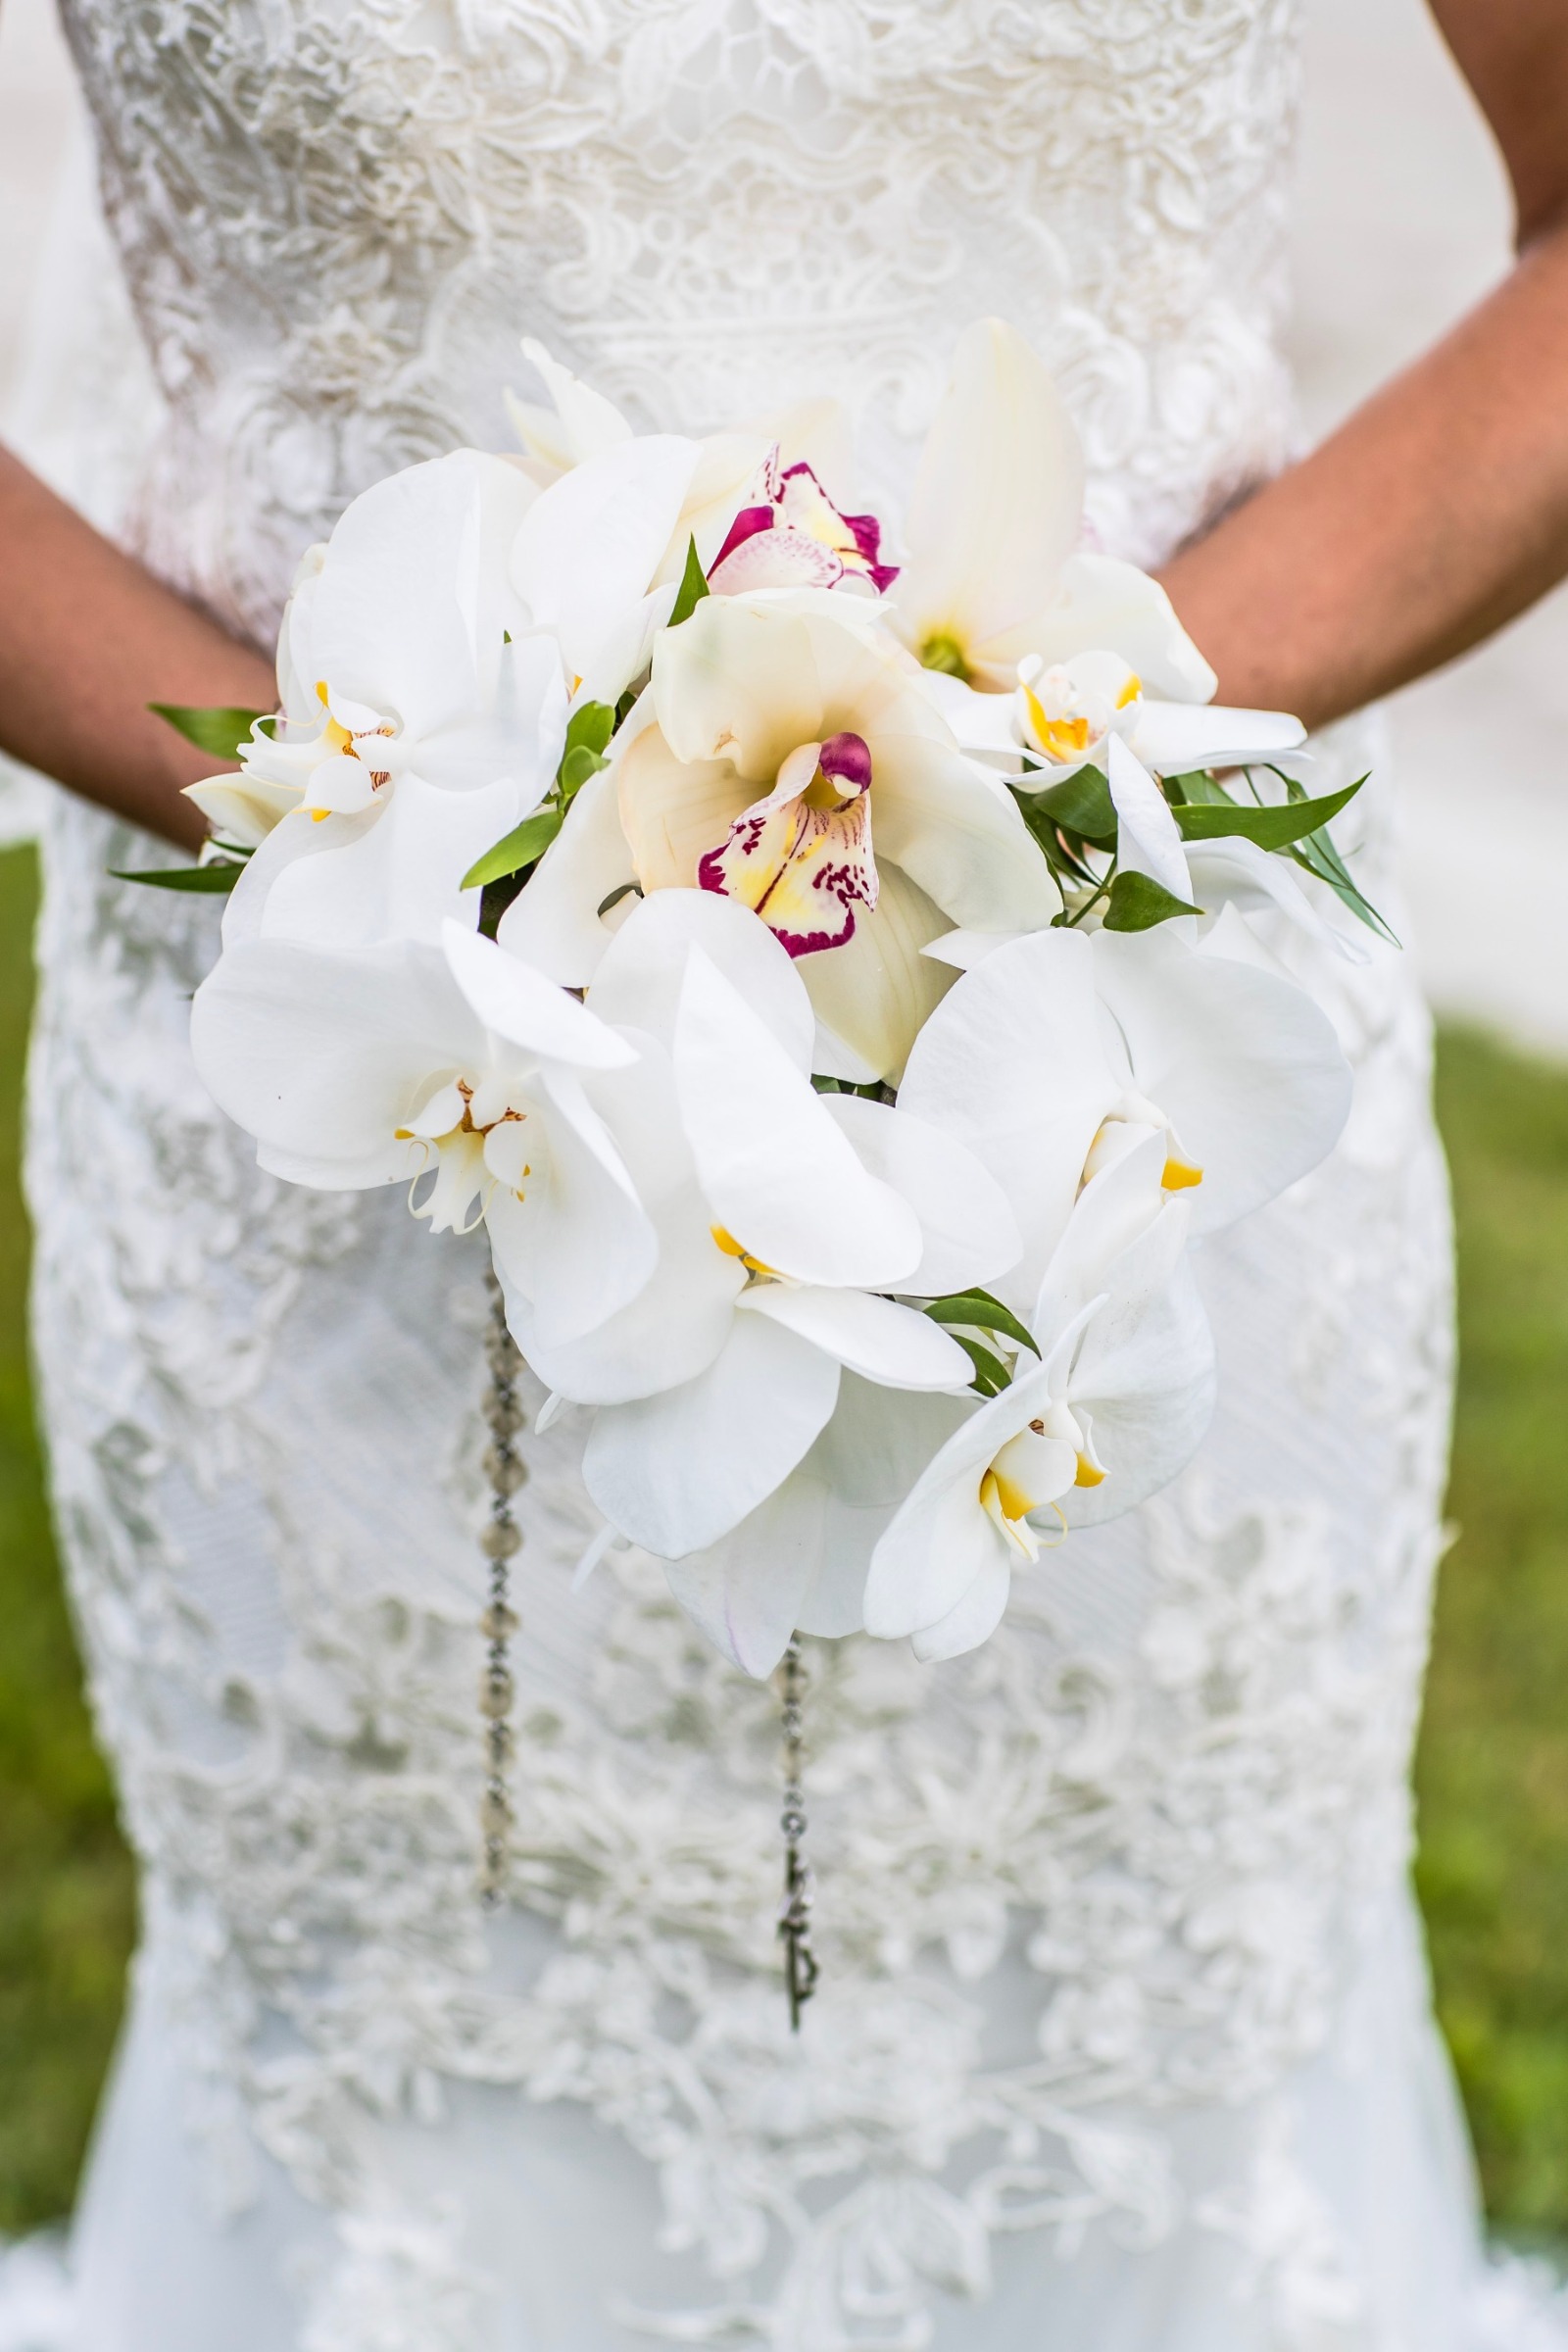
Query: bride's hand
(87, 640)
(1439, 510)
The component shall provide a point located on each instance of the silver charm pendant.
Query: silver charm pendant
(795, 1911)
(500, 1542)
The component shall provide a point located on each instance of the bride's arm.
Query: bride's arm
(87, 640)
(1439, 510)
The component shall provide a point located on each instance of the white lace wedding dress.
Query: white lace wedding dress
(1123, 2042)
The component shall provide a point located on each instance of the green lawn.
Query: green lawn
(1493, 1765)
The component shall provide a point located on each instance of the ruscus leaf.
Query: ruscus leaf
(219, 732)
(219, 877)
(521, 847)
(982, 1313)
(1137, 903)
(692, 590)
(1271, 828)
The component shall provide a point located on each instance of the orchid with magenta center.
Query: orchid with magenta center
(719, 781)
(802, 858)
(793, 536)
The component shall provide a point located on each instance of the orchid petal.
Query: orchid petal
(583, 422)
(1232, 872)
(1172, 737)
(553, 922)
(745, 1591)
(588, 546)
(1147, 835)
(872, 995)
(244, 809)
(998, 496)
(1105, 605)
(673, 811)
(395, 872)
(515, 1002)
(325, 1054)
(638, 984)
(1029, 1011)
(677, 1471)
(961, 838)
(676, 1324)
(875, 1336)
(1145, 1377)
(969, 1231)
(572, 1239)
(973, 1619)
(778, 1174)
(407, 615)
(1242, 1064)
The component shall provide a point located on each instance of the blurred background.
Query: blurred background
(1404, 221)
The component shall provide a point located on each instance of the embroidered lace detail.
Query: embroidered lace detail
(1111, 1867)
(337, 220)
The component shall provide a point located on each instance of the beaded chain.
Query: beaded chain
(795, 1912)
(500, 1542)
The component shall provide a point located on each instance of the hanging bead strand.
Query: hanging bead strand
(795, 1912)
(500, 1542)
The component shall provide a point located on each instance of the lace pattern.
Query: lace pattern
(338, 215)
(1111, 1868)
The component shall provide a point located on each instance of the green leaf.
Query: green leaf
(219, 732)
(1082, 803)
(1273, 828)
(1319, 856)
(217, 877)
(577, 764)
(991, 1374)
(1196, 784)
(1137, 903)
(692, 590)
(590, 727)
(521, 847)
(983, 1312)
(622, 890)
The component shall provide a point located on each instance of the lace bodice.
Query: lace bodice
(1120, 1863)
(337, 216)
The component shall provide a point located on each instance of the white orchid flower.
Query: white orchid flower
(1064, 646)
(791, 763)
(413, 734)
(585, 562)
(457, 1064)
(786, 1219)
(1061, 1050)
(1116, 1406)
(799, 1561)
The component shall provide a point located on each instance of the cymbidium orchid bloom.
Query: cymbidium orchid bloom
(1062, 1051)
(1114, 1405)
(788, 761)
(403, 1061)
(1063, 646)
(413, 734)
(786, 1219)
(763, 476)
(791, 535)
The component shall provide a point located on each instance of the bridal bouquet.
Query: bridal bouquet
(828, 978)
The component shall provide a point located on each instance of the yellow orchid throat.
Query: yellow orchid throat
(732, 1249)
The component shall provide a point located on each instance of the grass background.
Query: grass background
(1493, 1770)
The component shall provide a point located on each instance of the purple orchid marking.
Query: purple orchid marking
(797, 538)
(802, 858)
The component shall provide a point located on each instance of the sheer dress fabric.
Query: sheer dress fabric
(1123, 2039)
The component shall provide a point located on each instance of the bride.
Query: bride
(1123, 2041)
